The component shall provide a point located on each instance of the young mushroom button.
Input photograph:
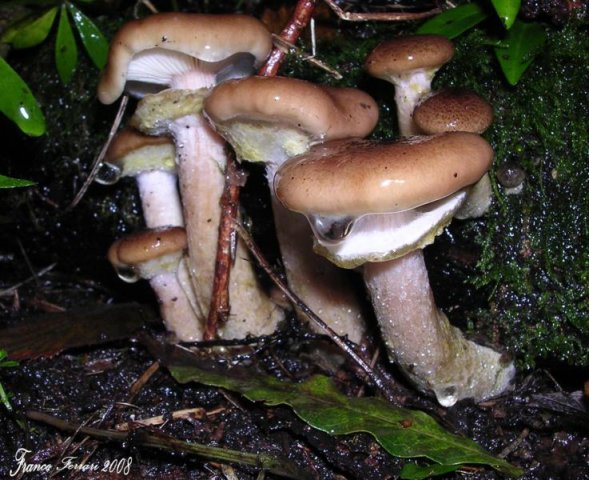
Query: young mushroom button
(395, 198)
(409, 63)
(188, 53)
(271, 119)
(459, 110)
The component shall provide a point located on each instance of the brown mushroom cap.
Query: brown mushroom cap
(359, 177)
(129, 140)
(209, 38)
(403, 54)
(147, 245)
(453, 109)
(323, 112)
(134, 152)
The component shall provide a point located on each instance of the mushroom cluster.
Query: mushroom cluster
(338, 200)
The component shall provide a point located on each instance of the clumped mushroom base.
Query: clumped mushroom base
(420, 340)
(200, 156)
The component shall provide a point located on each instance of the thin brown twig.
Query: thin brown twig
(98, 160)
(290, 33)
(142, 380)
(288, 47)
(32, 278)
(220, 306)
(379, 16)
(375, 379)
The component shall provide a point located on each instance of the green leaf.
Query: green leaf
(507, 11)
(411, 471)
(18, 103)
(455, 21)
(31, 33)
(66, 51)
(518, 49)
(92, 38)
(8, 182)
(401, 432)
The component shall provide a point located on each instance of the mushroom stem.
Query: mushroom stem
(432, 353)
(327, 290)
(409, 89)
(175, 307)
(159, 198)
(201, 160)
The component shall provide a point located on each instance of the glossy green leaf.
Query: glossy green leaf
(518, 49)
(92, 38)
(401, 432)
(455, 21)
(9, 182)
(31, 33)
(18, 103)
(66, 51)
(507, 11)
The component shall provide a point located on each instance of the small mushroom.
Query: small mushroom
(186, 52)
(154, 255)
(266, 121)
(511, 177)
(459, 110)
(395, 198)
(409, 63)
(151, 160)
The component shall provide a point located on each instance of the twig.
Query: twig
(290, 33)
(34, 277)
(220, 307)
(288, 47)
(98, 160)
(197, 413)
(515, 444)
(142, 380)
(374, 378)
(275, 464)
(379, 16)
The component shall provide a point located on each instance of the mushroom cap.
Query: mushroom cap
(134, 152)
(147, 245)
(360, 177)
(407, 53)
(179, 41)
(322, 112)
(453, 109)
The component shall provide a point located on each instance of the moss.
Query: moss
(534, 245)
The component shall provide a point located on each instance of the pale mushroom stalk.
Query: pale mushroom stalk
(200, 156)
(409, 63)
(409, 89)
(151, 161)
(324, 289)
(155, 255)
(266, 121)
(160, 201)
(432, 353)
